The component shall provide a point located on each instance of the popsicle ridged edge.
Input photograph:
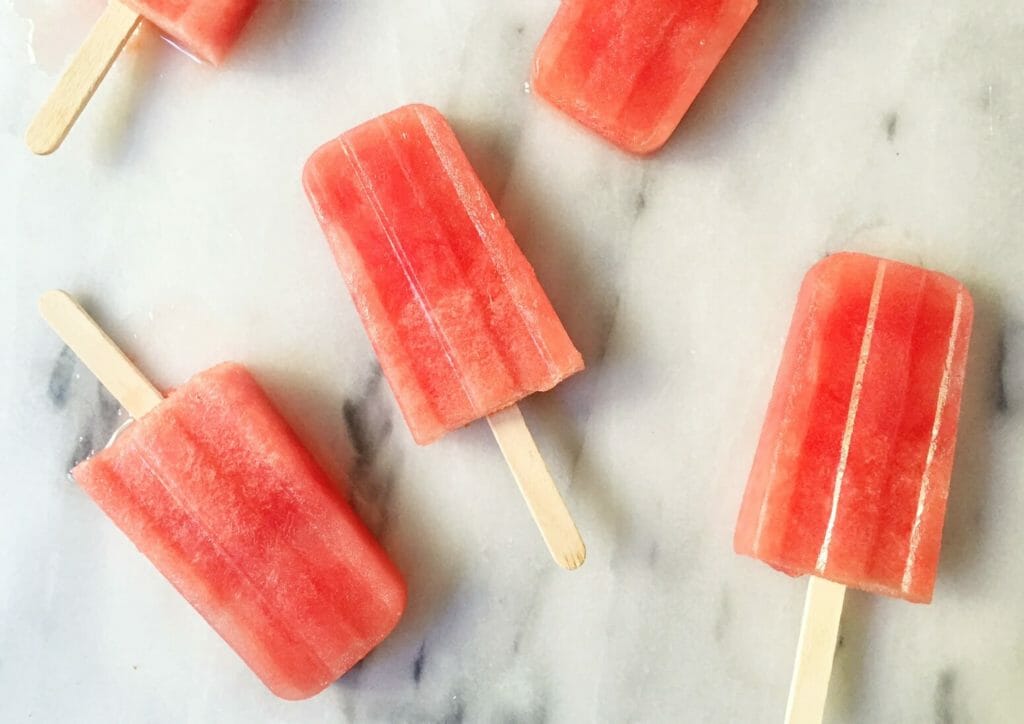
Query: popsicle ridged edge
(99, 353)
(79, 82)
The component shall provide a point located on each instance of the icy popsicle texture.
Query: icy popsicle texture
(455, 313)
(206, 28)
(215, 489)
(851, 475)
(629, 69)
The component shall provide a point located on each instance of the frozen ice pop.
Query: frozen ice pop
(850, 478)
(454, 311)
(629, 69)
(215, 489)
(205, 28)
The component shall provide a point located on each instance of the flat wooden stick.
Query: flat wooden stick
(82, 78)
(99, 353)
(535, 483)
(815, 651)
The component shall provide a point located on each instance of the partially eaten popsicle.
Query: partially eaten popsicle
(454, 311)
(851, 475)
(204, 28)
(215, 489)
(629, 69)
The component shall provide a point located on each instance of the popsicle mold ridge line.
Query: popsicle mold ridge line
(915, 531)
(851, 420)
(452, 308)
(471, 208)
(191, 512)
(852, 469)
(403, 262)
(215, 489)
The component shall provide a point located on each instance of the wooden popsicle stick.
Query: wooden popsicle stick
(99, 353)
(535, 483)
(816, 649)
(74, 89)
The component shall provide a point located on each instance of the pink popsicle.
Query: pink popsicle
(629, 69)
(215, 489)
(852, 473)
(454, 311)
(206, 28)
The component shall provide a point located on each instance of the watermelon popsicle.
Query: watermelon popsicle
(454, 311)
(629, 69)
(206, 29)
(215, 489)
(850, 479)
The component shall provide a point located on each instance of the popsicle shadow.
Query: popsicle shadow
(136, 77)
(288, 35)
(752, 75)
(349, 435)
(586, 307)
(964, 535)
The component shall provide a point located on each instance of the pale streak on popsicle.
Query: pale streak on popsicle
(79, 82)
(940, 407)
(851, 419)
(455, 313)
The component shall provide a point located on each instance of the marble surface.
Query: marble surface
(175, 212)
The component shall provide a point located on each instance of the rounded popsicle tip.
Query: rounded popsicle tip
(41, 139)
(52, 300)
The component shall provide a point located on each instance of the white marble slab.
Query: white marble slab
(175, 211)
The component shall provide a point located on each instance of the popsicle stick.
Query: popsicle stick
(99, 353)
(816, 649)
(74, 89)
(535, 483)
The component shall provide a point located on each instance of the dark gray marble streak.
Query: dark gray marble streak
(60, 377)
(724, 615)
(891, 124)
(97, 415)
(1008, 367)
(945, 689)
(418, 663)
(1002, 400)
(369, 425)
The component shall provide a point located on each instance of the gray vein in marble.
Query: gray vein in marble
(418, 662)
(96, 412)
(891, 123)
(1002, 399)
(457, 713)
(945, 688)
(723, 618)
(60, 377)
(368, 422)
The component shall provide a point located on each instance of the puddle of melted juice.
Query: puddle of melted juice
(56, 28)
